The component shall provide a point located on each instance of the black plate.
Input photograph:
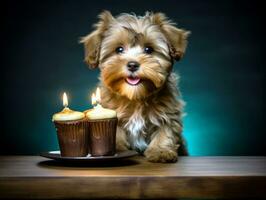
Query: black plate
(55, 155)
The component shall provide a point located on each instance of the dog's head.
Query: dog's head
(135, 54)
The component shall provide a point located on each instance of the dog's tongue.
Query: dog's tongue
(133, 80)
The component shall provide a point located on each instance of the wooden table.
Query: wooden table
(31, 177)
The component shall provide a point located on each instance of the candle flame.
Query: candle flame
(65, 101)
(93, 99)
(96, 97)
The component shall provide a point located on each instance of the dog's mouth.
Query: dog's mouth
(133, 80)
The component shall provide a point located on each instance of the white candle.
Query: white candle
(67, 114)
(98, 112)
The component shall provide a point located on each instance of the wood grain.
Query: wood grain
(32, 177)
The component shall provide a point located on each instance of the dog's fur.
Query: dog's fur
(150, 112)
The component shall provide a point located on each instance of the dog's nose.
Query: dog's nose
(132, 66)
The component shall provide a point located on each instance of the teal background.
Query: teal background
(222, 74)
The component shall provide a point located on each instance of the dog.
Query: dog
(135, 55)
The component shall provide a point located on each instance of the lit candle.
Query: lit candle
(67, 114)
(98, 112)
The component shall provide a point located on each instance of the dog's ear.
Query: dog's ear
(177, 38)
(92, 42)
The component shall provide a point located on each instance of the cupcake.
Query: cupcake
(71, 133)
(102, 125)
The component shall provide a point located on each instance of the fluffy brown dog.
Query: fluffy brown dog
(136, 55)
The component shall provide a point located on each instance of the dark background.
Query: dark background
(222, 73)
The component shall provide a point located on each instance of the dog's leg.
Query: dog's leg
(121, 140)
(163, 146)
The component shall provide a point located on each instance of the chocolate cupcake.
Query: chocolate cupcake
(71, 127)
(102, 125)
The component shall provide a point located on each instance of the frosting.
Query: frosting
(67, 115)
(98, 112)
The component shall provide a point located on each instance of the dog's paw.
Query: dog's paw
(161, 155)
(122, 146)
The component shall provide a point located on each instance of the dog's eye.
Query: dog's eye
(148, 50)
(119, 50)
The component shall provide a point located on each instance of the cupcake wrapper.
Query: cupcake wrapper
(73, 138)
(102, 137)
